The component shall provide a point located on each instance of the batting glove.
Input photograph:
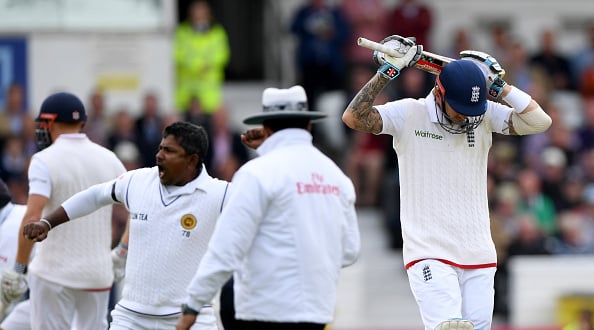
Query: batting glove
(455, 324)
(491, 69)
(409, 53)
(14, 285)
(488, 64)
(496, 87)
(118, 258)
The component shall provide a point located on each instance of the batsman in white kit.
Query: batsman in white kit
(442, 142)
(173, 210)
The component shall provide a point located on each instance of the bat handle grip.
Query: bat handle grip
(369, 44)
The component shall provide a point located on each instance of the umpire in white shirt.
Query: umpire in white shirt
(289, 226)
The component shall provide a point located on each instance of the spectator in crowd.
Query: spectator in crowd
(14, 116)
(228, 152)
(15, 121)
(519, 72)
(365, 165)
(503, 223)
(197, 116)
(572, 190)
(582, 63)
(128, 153)
(411, 18)
(552, 62)
(13, 161)
(533, 201)
(559, 135)
(528, 240)
(29, 138)
(366, 18)
(586, 166)
(574, 235)
(412, 83)
(505, 209)
(565, 139)
(365, 160)
(585, 132)
(322, 32)
(147, 129)
(553, 171)
(201, 53)
(123, 129)
(503, 161)
(500, 43)
(98, 122)
(461, 40)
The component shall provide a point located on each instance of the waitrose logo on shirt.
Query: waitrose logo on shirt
(427, 134)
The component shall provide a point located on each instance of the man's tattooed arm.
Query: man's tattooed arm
(360, 114)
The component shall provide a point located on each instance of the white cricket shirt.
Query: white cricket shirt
(288, 228)
(443, 183)
(76, 254)
(11, 216)
(170, 228)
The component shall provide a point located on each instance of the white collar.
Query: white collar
(432, 108)
(200, 182)
(285, 137)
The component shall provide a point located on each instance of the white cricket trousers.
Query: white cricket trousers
(443, 292)
(55, 307)
(124, 319)
(19, 317)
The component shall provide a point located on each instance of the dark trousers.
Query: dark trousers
(227, 311)
(257, 325)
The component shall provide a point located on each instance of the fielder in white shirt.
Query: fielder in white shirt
(15, 314)
(173, 210)
(71, 275)
(442, 142)
(289, 227)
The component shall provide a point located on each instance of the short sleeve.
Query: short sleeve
(499, 115)
(39, 178)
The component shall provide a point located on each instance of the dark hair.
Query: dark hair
(278, 124)
(5, 196)
(192, 138)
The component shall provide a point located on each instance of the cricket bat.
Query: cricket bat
(429, 62)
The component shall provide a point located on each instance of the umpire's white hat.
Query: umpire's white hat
(282, 104)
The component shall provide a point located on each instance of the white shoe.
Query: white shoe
(455, 324)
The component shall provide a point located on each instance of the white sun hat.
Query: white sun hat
(283, 103)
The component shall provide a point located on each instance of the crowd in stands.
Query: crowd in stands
(541, 187)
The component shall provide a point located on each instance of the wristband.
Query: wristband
(187, 310)
(389, 71)
(49, 225)
(121, 250)
(20, 268)
(518, 99)
(496, 87)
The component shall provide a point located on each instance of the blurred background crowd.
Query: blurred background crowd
(541, 187)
